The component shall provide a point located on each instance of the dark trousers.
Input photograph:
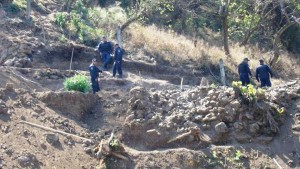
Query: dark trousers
(244, 78)
(105, 59)
(265, 82)
(117, 67)
(95, 85)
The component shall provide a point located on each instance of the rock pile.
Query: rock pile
(16, 51)
(52, 74)
(155, 117)
(18, 62)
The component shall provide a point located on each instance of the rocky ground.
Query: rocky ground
(164, 127)
(160, 123)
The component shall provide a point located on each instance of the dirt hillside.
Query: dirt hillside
(149, 117)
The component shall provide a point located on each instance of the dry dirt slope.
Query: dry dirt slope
(24, 146)
(144, 123)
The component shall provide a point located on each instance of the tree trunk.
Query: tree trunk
(28, 9)
(277, 41)
(224, 19)
(225, 34)
(119, 36)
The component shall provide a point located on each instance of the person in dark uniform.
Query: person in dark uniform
(263, 73)
(94, 72)
(244, 72)
(118, 61)
(105, 48)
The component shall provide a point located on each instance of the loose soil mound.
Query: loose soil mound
(75, 103)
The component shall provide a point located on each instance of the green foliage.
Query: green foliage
(60, 19)
(115, 144)
(244, 17)
(16, 6)
(81, 9)
(280, 111)
(238, 155)
(85, 24)
(236, 84)
(77, 83)
(248, 92)
(214, 160)
(213, 86)
(261, 91)
(63, 39)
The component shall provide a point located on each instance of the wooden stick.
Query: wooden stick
(141, 80)
(53, 130)
(275, 161)
(222, 71)
(71, 59)
(181, 82)
(44, 35)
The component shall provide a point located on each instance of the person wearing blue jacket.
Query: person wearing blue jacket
(94, 73)
(263, 73)
(118, 61)
(105, 48)
(244, 72)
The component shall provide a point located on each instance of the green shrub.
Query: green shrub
(16, 6)
(77, 83)
(249, 92)
(63, 39)
(13, 8)
(60, 19)
(86, 24)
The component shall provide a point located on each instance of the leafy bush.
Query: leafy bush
(77, 83)
(60, 19)
(16, 6)
(85, 24)
(81, 9)
(248, 92)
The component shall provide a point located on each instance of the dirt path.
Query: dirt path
(286, 148)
